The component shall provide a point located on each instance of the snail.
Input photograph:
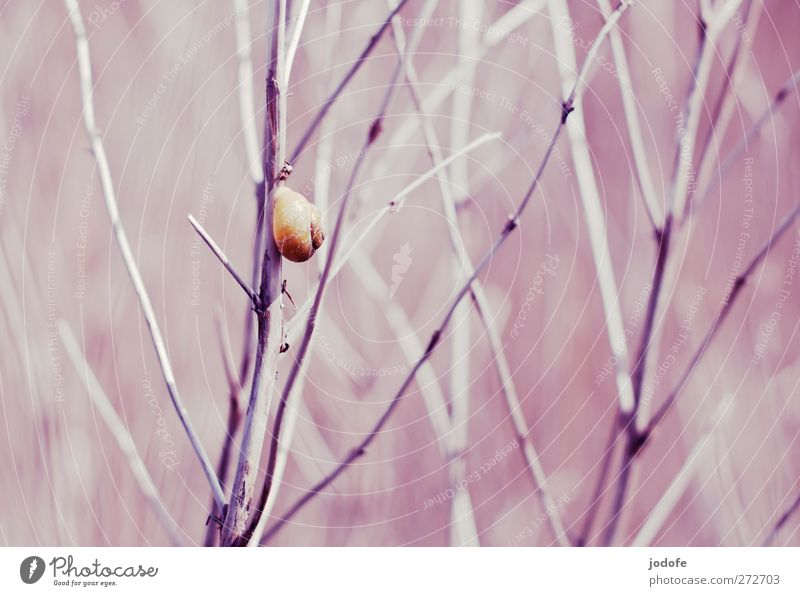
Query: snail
(296, 225)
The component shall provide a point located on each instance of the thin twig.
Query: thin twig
(592, 207)
(482, 306)
(600, 487)
(318, 118)
(316, 308)
(684, 153)
(223, 259)
(107, 184)
(270, 311)
(513, 222)
(120, 433)
(281, 458)
(500, 29)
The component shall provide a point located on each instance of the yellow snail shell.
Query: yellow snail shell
(296, 225)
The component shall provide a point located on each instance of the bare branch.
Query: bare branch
(481, 303)
(247, 110)
(270, 311)
(104, 171)
(234, 418)
(712, 28)
(120, 433)
(222, 258)
(659, 514)
(755, 128)
(782, 520)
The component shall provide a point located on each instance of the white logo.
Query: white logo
(402, 263)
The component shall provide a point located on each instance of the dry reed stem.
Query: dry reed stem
(109, 195)
(592, 207)
(328, 103)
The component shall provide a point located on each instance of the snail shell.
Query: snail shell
(296, 225)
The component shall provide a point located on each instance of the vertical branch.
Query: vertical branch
(480, 299)
(723, 109)
(659, 514)
(109, 195)
(119, 432)
(270, 310)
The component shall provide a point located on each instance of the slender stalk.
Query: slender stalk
(723, 108)
(727, 305)
(481, 303)
(592, 207)
(320, 115)
(686, 147)
(316, 308)
(782, 521)
(568, 105)
(270, 311)
(120, 433)
(109, 195)
(752, 132)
